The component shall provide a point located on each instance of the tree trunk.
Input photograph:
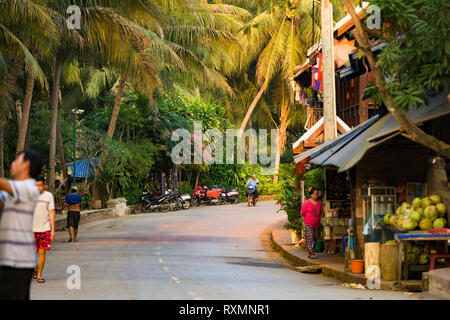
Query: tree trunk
(116, 110)
(250, 110)
(23, 128)
(53, 122)
(414, 132)
(196, 178)
(62, 160)
(111, 129)
(281, 140)
(27, 137)
(437, 181)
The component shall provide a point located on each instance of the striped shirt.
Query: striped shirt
(17, 244)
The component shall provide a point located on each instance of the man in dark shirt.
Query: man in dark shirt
(73, 201)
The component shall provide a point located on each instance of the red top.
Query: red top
(312, 213)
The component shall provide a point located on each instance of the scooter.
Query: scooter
(251, 196)
(203, 196)
(145, 202)
(230, 196)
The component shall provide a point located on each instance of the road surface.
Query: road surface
(199, 254)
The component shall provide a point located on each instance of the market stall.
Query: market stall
(337, 207)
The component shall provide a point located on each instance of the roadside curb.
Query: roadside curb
(85, 217)
(287, 252)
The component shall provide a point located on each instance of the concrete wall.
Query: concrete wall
(439, 282)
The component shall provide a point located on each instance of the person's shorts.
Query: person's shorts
(73, 219)
(43, 240)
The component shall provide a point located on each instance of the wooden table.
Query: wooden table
(401, 237)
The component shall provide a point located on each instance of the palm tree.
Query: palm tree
(23, 24)
(279, 37)
(282, 113)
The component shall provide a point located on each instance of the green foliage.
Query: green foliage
(417, 52)
(290, 197)
(315, 179)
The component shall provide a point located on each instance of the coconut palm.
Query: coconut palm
(24, 24)
(279, 37)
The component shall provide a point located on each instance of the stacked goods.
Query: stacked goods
(417, 253)
(423, 214)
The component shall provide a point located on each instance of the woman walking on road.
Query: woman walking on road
(312, 209)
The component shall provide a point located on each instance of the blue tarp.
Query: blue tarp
(83, 167)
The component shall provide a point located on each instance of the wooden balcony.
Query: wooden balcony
(313, 115)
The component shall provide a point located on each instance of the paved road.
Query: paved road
(201, 253)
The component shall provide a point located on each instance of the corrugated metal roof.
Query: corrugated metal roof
(82, 167)
(345, 152)
(436, 107)
(324, 157)
(314, 152)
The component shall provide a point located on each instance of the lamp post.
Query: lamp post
(74, 171)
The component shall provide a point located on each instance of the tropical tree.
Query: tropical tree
(411, 64)
(279, 37)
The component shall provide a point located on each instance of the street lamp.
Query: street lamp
(74, 171)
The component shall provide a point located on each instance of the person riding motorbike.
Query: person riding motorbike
(253, 182)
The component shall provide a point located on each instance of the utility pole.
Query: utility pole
(329, 94)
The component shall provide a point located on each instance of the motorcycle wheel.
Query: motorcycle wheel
(164, 207)
(249, 199)
(186, 205)
(236, 200)
(137, 209)
(195, 202)
(254, 201)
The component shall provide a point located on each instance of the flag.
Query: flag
(316, 83)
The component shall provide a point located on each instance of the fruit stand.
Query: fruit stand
(400, 238)
(419, 229)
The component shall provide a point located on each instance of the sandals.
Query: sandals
(41, 280)
(34, 276)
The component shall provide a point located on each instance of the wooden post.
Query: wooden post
(372, 256)
(329, 96)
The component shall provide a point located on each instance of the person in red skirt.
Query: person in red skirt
(312, 210)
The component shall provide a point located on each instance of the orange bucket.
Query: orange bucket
(357, 266)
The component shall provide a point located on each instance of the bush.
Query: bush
(290, 197)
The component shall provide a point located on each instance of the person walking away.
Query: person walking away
(43, 226)
(255, 183)
(73, 201)
(18, 197)
(312, 209)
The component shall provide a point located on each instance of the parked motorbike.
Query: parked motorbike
(251, 196)
(229, 196)
(148, 201)
(205, 196)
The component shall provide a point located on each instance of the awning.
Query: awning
(84, 167)
(345, 151)
(437, 107)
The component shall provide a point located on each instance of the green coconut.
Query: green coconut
(424, 258)
(408, 224)
(435, 198)
(426, 202)
(441, 209)
(406, 205)
(415, 216)
(417, 203)
(425, 224)
(387, 217)
(393, 221)
(439, 223)
(431, 213)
